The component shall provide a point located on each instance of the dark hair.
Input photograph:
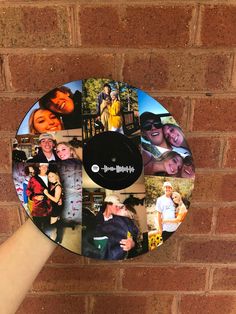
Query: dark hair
(107, 85)
(27, 172)
(45, 101)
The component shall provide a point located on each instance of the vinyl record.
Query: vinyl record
(103, 169)
(116, 168)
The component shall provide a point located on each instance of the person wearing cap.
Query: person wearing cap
(165, 209)
(46, 152)
(115, 117)
(41, 205)
(120, 232)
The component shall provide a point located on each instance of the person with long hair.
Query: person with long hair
(115, 118)
(54, 194)
(181, 210)
(65, 104)
(175, 137)
(169, 163)
(43, 121)
(66, 151)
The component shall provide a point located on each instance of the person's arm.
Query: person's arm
(57, 196)
(180, 217)
(158, 222)
(21, 258)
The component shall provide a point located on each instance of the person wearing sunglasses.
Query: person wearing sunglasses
(152, 134)
(155, 137)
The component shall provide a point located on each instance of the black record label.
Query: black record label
(103, 169)
(112, 160)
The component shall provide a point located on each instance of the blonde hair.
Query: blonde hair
(180, 202)
(72, 149)
(32, 128)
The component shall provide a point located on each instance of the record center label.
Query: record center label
(112, 160)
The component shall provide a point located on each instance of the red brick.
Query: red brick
(9, 219)
(34, 27)
(62, 256)
(76, 279)
(198, 221)
(227, 191)
(207, 187)
(209, 251)
(217, 72)
(178, 71)
(158, 304)
(166, 253)
(53, 304)
(207, 304)
(13, 111)
(101, 26)
(218, 26)
(177, 107)
(2, 76)
(5, 154)
(230, 158)
(44, 72)
(146, 71)
(7, 191)
(216, 114)
(156, 30)
(164, 278)
(206, 151)
(224, 279)
(213, 187)
(226, 220)
(106, 26)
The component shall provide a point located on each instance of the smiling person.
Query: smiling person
(54, 194)
(188, 169)
(181, 210)
(42, 121)
(175, 137)
(66, 151)
(159, 138)
(46, 152)
(63, 102)
(165, 209)
(152, 132)
(169, 164)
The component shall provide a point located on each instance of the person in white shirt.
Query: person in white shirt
(166, 210)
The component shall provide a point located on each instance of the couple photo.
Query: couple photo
(60, 109)
(164, 148)
(167, 203)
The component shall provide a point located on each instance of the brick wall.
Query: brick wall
(181, 52)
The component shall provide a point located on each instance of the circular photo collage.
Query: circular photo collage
(103, 169)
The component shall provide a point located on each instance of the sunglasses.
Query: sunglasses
(148, 126)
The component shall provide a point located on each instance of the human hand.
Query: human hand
(127, 244)
(45, 192)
